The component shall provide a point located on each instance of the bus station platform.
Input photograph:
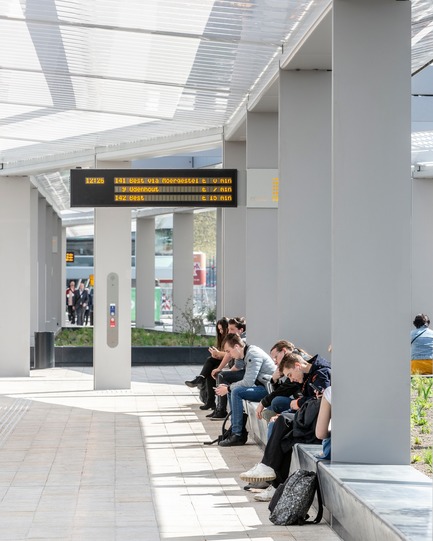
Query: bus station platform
(80, 464)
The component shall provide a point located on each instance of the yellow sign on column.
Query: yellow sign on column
(91, 280)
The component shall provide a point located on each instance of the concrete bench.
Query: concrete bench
(371, 502)
(363, 502)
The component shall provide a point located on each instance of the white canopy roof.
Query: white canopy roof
(87, 80)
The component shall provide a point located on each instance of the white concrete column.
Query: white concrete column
(304, 210)
(50, 290)
(15, 212)
(34, 266)
(63, 276)
(231, 240)
(371, 297)
(422, 250)
(112, 257)
(183, 266)
(145, 273)
(60, 266)
(42, 264)
(262, 229)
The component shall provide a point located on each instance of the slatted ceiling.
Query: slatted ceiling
(84, 74)
(134, 64)
(422, 34)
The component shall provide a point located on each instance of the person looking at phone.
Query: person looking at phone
(259, 368)
(275, 464)
(204, 379)
(317, 372)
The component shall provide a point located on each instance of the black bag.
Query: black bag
(227, 430)
(293, 498)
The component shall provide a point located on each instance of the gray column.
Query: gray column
(63, 277)
(231, 240)
(145, 272)
(59, 265)
(15, 276)
(42, 264)
(50, 323)
(112, 256)
(304, 210)
(34, 265)
(371, 315)
(183, 267)
(422, 252)
(262, 230)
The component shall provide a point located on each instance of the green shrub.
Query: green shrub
(83, 336)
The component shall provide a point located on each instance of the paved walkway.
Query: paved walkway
(79, 464)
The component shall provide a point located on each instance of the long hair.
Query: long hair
(224, 322)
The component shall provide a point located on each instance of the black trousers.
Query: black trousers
(278, 455)
(209, 382)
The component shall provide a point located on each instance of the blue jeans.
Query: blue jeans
(280, 403)
(253, 394)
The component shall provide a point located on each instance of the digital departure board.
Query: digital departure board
(153, 188)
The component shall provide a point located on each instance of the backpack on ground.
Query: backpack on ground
(226, 430)
(293, 498)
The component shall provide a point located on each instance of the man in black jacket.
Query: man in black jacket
(282, 390)
(81, 301)
(291, 429)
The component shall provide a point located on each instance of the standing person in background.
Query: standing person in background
(81, 301)
(421, 346)
(88, 313)
(70, 300)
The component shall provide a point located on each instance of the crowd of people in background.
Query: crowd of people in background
(79, 304)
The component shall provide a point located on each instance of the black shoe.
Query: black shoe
(232, 440)
(208, 406)
(218, 415)
(198, 381)
(210, 414)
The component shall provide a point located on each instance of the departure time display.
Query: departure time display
(153, 187)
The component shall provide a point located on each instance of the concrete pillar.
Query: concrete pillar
(145, 272)
(63, 276)
(15, 212)
(304, 210)
(112, 258)
(34, 265)
(183, 268)
(422, 252)
(231, 240)
(51, 270)
(262, 229)
(42, 264)
(58, 263)
(371, 297)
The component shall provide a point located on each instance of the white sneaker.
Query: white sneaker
(259, 472)
(266, 495)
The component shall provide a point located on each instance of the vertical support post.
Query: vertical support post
(112, 259)
(262, 230)
(304, 215)
(183, 266)
(15, 212)
(231, 240)
(371, 315)
(145, 273)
